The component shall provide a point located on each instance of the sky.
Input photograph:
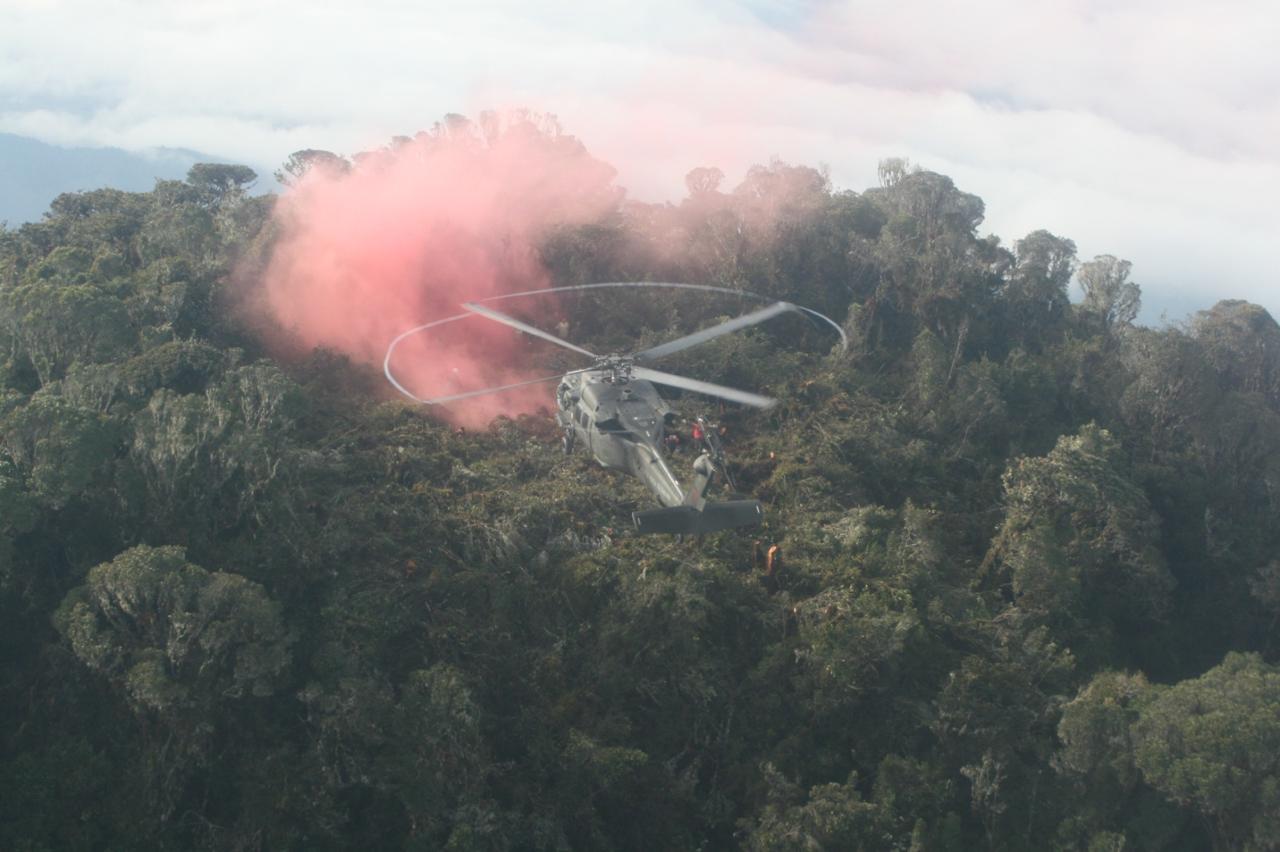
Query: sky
(1142, 129)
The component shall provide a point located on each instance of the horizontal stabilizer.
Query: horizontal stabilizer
(686, 520)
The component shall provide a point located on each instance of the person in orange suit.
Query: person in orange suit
(773, 561)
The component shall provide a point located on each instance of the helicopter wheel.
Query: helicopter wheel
(567, 442)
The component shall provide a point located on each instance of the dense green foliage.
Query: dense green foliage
(1031, 582)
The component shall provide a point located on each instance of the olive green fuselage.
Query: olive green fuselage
(622, 423)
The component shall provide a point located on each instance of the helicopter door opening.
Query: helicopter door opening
(614, 425)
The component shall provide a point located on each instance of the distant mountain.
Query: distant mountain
(33, 173)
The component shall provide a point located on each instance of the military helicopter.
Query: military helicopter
(613, 409)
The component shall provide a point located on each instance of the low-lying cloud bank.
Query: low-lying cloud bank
(1141, 129)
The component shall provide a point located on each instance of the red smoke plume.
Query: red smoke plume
(404, 235)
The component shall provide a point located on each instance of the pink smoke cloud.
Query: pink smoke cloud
(405, 235)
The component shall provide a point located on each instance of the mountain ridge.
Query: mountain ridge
(33, 173)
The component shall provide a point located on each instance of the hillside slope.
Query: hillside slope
(1031, 559)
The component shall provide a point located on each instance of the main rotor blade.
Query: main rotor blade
(698, 386)
(457, 396)
(681, 343)
(523, 326)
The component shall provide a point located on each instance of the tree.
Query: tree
(98, 219)
(1079, 540)
(172, 636)
(217, 182)
(935, 272)
(1213, 743)
(994, 717)
(892, 170)
(180, 225)
(834, 816)
(419, 744)
(62, 450)
(703, 181)
(17, 514)
(1109, 295)
(58, 324)
(1170, 388)
(1242, 343)
(1096, 741)
(1097, 754)
(1035, 293)
(778, 185)
(301, 162)
(182, 646)
(208, 458)
(851, 640)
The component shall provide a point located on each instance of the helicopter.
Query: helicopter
(614, 410)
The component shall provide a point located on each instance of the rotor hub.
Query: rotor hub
(618, 367)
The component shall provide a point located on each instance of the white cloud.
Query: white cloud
(1143, 129)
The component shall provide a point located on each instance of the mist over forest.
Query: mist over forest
(1030, 574)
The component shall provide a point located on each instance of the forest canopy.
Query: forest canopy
(1028, 598)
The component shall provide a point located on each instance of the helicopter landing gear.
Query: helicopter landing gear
(568, 440)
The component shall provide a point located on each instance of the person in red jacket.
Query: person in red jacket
(672, 442)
